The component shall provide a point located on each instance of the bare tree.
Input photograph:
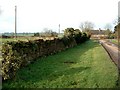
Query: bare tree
(117, 30)
(116, 21)
(108, 26)
(86, 26)
(49, 32)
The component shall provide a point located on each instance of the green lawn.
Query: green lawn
(84, 66)
(115, 41)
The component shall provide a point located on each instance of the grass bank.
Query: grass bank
(115, 41)
(84, 66)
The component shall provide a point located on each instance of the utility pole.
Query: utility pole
(118, 40)
(0, 10)
(118, 21)
(16, 22)
(59, 28)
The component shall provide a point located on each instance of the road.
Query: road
(112, 50)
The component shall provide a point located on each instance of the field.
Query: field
(27, 37)
(84, 66)
(19, 38)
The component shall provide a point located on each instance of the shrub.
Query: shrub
(77, 38)
(19, 54)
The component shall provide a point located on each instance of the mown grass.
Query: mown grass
(84, 66)
(115, 41)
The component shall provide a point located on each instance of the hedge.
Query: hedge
(19, 54)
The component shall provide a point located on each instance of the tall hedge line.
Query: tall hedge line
(19, 54)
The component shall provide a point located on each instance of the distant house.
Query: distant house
(98, 34)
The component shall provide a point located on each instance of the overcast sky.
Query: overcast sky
(35, 15)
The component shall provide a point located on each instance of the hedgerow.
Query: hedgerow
(19, 54)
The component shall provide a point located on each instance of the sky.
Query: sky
(35, 15)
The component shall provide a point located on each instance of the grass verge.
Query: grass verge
(115, 41)
(84, 66)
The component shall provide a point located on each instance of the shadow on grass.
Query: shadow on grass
(70, 71)
(52, 67)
